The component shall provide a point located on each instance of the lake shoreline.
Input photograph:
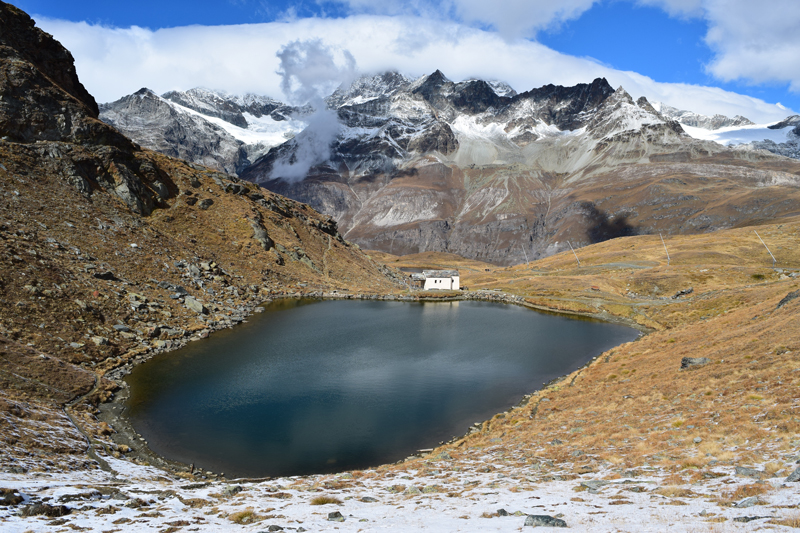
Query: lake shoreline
(113, 412)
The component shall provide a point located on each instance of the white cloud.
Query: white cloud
(113, 62)
(511, 18)
(756, 42)
(676, 8)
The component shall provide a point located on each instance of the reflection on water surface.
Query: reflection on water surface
(318, 386)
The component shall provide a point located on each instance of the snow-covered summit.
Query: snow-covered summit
(696, 120)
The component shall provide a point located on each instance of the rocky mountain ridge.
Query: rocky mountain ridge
(433, 165)
(477, 169)
(690, 118)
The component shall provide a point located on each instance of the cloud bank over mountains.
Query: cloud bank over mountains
(463, 38)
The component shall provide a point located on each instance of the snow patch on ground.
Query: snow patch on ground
(440, 498)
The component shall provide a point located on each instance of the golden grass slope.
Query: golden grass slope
(633, 407)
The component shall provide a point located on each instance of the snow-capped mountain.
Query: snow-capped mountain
(477, 169)
(226, 132)
(696, 120)
(780, 138)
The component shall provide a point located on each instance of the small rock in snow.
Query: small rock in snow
(536, 520)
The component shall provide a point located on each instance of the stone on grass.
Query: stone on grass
(52, 511)
(688, 362)
(746, 519)
(594, 484)
(747, 502)
(788, 298)
(543, 520)
(749, 472)
(335, 516)
(794, 476)
(195, 305)
(231, 490)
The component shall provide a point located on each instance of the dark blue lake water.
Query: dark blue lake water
(319, 386)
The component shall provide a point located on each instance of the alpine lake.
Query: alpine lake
(319, 386)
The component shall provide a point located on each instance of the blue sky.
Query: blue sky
(653, 47)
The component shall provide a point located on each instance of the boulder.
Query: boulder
(195, 305)
(749, 472)
(543, 520)
(689, 362)
(747, 502)
(794, 476)
(231, 490)
(335, 516)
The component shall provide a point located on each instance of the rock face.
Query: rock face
(31, 109)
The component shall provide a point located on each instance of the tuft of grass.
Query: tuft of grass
(745, 491)
(673, 491)
(325, 500)
(772, 468)
(789, 521)
(247, 516)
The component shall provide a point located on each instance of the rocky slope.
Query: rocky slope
(111, 253)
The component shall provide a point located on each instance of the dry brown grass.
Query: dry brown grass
(325, 500)
(789, 521)
(730, 497)
(246, 516)
(772, 468)
(674, 491)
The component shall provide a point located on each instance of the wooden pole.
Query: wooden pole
(767, 247)
(573, 253)
(665, 248)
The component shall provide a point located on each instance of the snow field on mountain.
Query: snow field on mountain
(734, 135)
(261, 130)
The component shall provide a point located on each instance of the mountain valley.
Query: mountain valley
(115, 251)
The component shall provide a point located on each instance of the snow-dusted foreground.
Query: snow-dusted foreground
(435, 495)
